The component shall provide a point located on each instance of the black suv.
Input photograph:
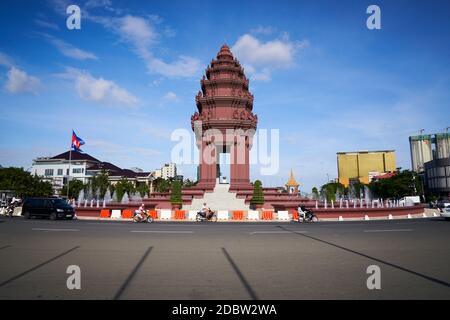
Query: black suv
(53, 208)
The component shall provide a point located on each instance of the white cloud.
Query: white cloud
(20, 82)
(273, 54)
(183, 67)
(170, 97)
(136, 30)
(46, 24)
(100, 90)
(141, 34)
(5, 60)
(68, 50)
(264, 30)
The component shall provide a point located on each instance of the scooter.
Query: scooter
(307, 216)
(210, 215)
(145, 218)
(9, 210)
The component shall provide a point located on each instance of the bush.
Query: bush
(258, 195)
(175, 197)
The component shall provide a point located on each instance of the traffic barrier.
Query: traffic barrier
(104, 213)
(166, 214)
(192, 215)
(222, 215)
(115, 214)
(267, 215)
(127, 214)
(238, 215)
(180, 214)
(153, 214)
(253, 215)
(17, 211)
(283, 215)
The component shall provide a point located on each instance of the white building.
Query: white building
(56, 169)
(82, 167)
(169, 170)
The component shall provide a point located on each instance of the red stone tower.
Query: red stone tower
(224, 122)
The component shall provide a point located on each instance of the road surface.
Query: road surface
(124, 260)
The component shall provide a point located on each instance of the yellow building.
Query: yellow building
(363, 165)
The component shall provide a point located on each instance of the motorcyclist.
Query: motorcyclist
(140, 213)
(204, 210)
(12, 205)
(301, 212)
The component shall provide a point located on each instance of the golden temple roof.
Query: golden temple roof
(292, 182)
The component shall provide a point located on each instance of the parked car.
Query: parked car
(53, 208)
(445, 213)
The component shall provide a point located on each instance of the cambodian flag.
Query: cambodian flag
(77, 142)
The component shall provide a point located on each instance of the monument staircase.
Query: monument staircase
(220, 199)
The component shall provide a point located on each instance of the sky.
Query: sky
(127, 79)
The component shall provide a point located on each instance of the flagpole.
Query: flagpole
(70, 160)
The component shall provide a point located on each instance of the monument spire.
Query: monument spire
(225, 103)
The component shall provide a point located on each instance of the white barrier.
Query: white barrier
(166, 214)
(283, 215)
(17, 211)
(222, 215)
(116, 214)
(192, 214)
(253, 215)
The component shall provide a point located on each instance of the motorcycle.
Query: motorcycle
(210, 215)
(9, 210)
(143, 218)
(307, 216)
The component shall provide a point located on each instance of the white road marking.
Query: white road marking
(43, 229)
(276, 232)
(161, 231)
(390, 230)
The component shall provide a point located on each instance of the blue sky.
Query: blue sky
(128, 78)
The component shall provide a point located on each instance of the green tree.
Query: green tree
(75, 187)
(175, 197)
(258, 195)
(23, 183)
(162, 185)
(143, 189)
(358, 188)
(100, 184)
(404, 183)
(329, 190)
(187, 183)
(122, 187)
(315, 193)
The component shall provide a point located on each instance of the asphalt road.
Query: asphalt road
(123, 260)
